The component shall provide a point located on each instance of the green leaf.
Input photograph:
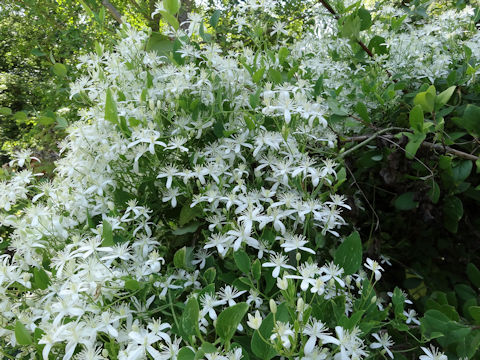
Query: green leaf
(229, 319)
(415, 140)
(470, 120)
(350, 26)
(452, 213)
(186, 230)
(161, 44)
(61, 123)
(19, 115)
(256, 269)
(242, 261)
(170, 19)
(258, 75)
(37, 52)
(426, 100)
(474, 312)
(365, 18)
(107, 234)
(132, 284)
(210, 275)
(40, 278)
(283, 54)
(434, 192)
(377, 45)
(416, 118)
(405, 201)
(187, 213)
(189, 319)
(349, 254)
(60, 70)
(110, 108)
(275, 75)
(22, 334)
(362, 111)
(185, 354)
(443, 97)
(398, 301)
(215, 18)
(473, 274)
(172, 6)
(461, 170)
(5, 111)
(45, 120)
(204, 35)
(183, 258)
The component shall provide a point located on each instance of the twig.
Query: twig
(113, 11)
(436, 147)
(366, 140)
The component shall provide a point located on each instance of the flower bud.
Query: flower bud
(273, 306)
(374, 300)
(282, 283)
(298, 257)
(300, 305)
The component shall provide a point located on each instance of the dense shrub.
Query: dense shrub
(197, 211)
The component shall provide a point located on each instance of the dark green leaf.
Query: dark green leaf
(362, 111)
(406, 201)
(256, 269)
(228, 320)
(185, 354)
(242, 261)
(214, 18)
(365, 18)
(473, 274)
(5, 111)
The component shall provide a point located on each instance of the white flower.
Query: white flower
(283, 332)
(277, 261)
(315, 329)
(411, 317)
(432, 354)
(254, 321)
(375, 267)
(384, 342)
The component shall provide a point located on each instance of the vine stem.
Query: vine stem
(366, 140)
(437, 147)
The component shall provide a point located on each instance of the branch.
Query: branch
(113, 11)
(365, 139)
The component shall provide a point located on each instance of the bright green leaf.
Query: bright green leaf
(59, 70)
(22, 334)
(349, 254)
(107, 234)
(111, 113)
(426, 100)
(170, 19)
(443, 97)
(415, 140)
(172, 6)
(416, 118)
